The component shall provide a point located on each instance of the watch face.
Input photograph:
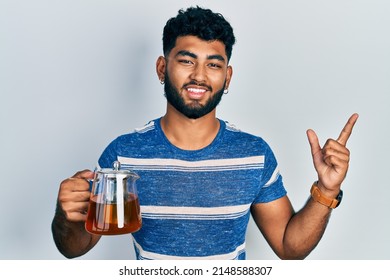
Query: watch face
(339, 197)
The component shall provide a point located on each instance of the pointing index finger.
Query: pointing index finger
(347, 130)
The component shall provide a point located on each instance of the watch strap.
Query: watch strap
(318, 196)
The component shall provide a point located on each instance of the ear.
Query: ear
(229, 74)
(160, 68)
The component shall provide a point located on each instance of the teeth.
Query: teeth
(196, 90)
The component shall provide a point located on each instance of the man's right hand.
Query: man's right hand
(68, 229)
(74, 194)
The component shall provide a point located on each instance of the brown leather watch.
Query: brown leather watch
(318, 196)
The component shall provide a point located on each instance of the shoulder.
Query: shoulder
(237, 136)
(145, 135)
(138, 143)
(139, 133)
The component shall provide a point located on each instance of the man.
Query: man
(201, 177)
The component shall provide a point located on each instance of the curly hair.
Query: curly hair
(200, 22)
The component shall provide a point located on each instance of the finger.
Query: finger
(74, 196)
(76, 217)
(335, 155)
(316, 151)
(339, 165)
(78, 182)
(80, 207)
(333, 145)
(313, 141)
(342, 155)
(347, 130)
(84, 174)
(78, 214)
(74, 185)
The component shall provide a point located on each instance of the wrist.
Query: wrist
(325, 198)
(326, 191)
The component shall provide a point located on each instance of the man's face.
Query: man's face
(196, 74)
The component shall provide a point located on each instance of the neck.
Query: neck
(189, 134)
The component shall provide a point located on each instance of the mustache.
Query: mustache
(195, 83)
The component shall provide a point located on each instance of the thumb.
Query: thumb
(314, 146)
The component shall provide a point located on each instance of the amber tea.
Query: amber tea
(103, 217)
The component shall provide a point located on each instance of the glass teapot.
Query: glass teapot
(114, 206)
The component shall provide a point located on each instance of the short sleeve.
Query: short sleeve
(271, 182)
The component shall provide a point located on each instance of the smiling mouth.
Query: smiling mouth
(196, 90)
(195, 93)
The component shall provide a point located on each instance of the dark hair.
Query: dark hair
(200, 22)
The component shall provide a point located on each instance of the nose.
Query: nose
(199, 73)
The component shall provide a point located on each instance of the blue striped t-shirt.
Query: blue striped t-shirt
(196, 204)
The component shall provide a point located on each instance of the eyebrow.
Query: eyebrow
(191, 54)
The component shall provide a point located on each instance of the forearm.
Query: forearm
(71, 238)
(305, 230)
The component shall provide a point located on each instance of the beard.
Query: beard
(194, 110)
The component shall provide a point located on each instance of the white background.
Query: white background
(75, 74)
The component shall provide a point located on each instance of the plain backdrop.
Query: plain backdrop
(75, 74)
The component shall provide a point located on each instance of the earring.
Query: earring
(162, 81)
(225, 91)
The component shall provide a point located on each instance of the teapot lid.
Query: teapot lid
(116, 169)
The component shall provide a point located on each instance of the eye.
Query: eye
(215, 65)
(185, 61)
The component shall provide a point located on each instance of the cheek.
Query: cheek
(177, 76)
(217, 80)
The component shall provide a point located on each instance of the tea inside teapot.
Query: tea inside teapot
(114, 206)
